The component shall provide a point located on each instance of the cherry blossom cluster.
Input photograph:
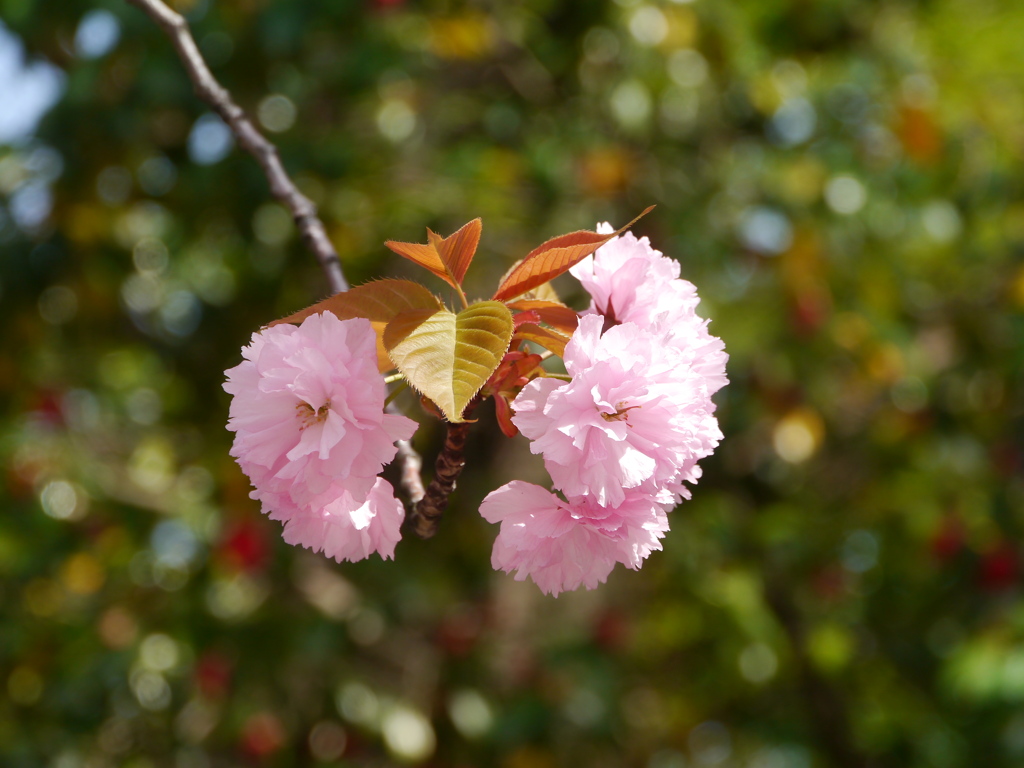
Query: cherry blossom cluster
(620, 433)
(623, 435)
(312, 435)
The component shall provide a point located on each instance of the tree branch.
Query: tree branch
(281, 186)
(426, 514)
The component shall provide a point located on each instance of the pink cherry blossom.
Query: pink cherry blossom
(635, 414)
(563, 544)
(348, 530)
(629, 281)
(311, 434)
(626, 276)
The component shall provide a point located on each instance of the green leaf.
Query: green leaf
(379, 302)
(550, 259)
(448, 357)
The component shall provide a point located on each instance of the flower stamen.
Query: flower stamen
(621, 413)
(308, 417)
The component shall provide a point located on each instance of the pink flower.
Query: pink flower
(635, 414)
(311, 434)
(348, 530)
(631, 282)
(563, 544)
(625, 277)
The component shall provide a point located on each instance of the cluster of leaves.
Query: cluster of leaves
(449, 357)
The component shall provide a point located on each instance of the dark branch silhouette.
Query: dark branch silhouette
(425, 517)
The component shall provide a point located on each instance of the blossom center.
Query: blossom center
(621, 413)
(308, 417)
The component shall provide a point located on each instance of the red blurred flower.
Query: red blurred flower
(262, 735)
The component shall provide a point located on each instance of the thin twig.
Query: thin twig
(426, 514)
(425, 517)
(411, 478)
(281, 186)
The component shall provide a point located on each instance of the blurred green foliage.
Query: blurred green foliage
(841, 180)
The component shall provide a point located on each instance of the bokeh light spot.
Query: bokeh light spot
(30, 88)
(327, 741)
(181, 313)
(766, 231)
(687, 68)
(174, 544)
(396, 120)
(648, 25)
(30, 205)
(97, 34)
(144, 406)
(276, 113)
(210, 140)
(272, 224)
(942, 221)
(150, 255)
(233, 599)
(846, 195)
(470, 713)
(408, 735)
(142, 293)
(793, 123)
(63, 501)
(358, 704)
(159, 653)
(151, 690)
(758, 663)
(798, 435)
(630, 103)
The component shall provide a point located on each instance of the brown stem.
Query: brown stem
(281, 186)
(426, 514)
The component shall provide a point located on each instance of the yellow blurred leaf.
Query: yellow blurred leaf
(469, 36)
(83, 574)
(830, 646)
